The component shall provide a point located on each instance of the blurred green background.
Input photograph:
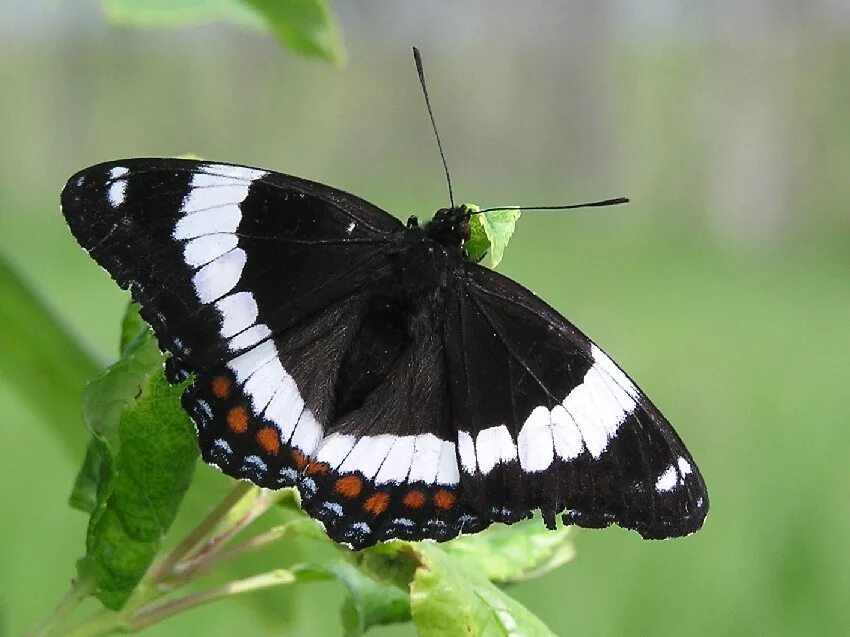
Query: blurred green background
(723, 288)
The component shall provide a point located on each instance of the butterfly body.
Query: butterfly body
(404, 390)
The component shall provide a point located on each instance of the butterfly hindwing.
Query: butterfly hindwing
(575, 432)
(388, 467)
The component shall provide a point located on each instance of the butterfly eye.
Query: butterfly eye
(463, 228)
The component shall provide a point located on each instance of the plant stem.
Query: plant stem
(157, 612)
(108, 622)
(249, 546)
(194, 554)
(68, 604)
(163, 568)
(103, 622)
(261, 504)
(189, 567)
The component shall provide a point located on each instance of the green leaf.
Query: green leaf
(84, 493)
(391, 562)
(133, 328)
(307, 27)
(370, 602)
(448, 598)
(489, 234)
(42, 361)
(514, 553)
(147, 454)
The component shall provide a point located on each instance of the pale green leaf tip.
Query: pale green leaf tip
(489, 234)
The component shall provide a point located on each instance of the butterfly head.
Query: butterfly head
(449, 226)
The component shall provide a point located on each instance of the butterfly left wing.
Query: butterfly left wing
(547, 420)
(250, 279)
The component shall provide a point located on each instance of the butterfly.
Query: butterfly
(406, 391)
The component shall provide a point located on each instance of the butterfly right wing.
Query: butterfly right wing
(547, 420)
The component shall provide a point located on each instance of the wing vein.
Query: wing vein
(511, 351)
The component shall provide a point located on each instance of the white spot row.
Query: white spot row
(256, 462)
(491, 446)
(587, 419)
(211, 215)
(387, 458)
(212, 203)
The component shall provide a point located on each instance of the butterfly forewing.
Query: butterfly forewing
(179, 234)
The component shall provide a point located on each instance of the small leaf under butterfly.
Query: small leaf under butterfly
(146, 450)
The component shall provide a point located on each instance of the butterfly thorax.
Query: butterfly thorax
(426, 256)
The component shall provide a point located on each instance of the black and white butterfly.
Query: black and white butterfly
(404, 390)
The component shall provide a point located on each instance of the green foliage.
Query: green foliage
(40, 358)
(370, 601)
(449, 588)
(168, 13)
(514, 553)
(489, 234)
(84, 493)
(308, 27)
(305, 26)
(450, 596)
(137, 468)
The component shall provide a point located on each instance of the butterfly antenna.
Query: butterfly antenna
(589, 204)
(418, 59)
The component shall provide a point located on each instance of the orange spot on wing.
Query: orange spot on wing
(269, 440)
(314, 468)
(349, 486)
(299, 459)
(237, 419)
(444, 499)
(377, 503)
(221, 387)
(414, 499)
